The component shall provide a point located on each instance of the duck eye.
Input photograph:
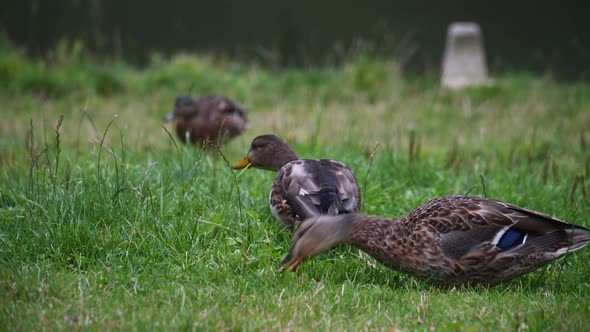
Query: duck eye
(183, 102)
(256, 146)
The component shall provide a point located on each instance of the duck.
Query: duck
(207, 121)
(302, 188)
(449, 240)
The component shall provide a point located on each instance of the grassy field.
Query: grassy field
(107, 223)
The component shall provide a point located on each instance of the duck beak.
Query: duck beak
(241, 164)
(291, 263)
(169, 116)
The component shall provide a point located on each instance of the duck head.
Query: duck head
(316, 235)
(267, 152)
(184, 107)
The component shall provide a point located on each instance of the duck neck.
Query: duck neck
(283, 158)
(375, 235)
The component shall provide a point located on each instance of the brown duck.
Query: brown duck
(207, 121)
(302, 188)
(448, 240)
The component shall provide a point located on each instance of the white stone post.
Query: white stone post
(464, 62)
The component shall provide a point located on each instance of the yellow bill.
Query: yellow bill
(241, 164)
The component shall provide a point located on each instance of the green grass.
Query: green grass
(106, 224)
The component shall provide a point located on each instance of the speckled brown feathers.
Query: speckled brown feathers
(207, 120)
(448, 240)
(302, 188)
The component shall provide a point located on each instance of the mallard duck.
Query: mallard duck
(208, 120)
(302, 188)
(448, 240)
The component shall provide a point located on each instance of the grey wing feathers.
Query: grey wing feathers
(320, 187)
(348, 190)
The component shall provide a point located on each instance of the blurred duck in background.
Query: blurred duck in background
(207, 121)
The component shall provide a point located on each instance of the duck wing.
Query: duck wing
(219, 117)
(213, 107)
(468, 225)
(304, 188)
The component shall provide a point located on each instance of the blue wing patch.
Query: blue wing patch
(511, 238)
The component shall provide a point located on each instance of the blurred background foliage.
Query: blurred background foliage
(544, 37)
